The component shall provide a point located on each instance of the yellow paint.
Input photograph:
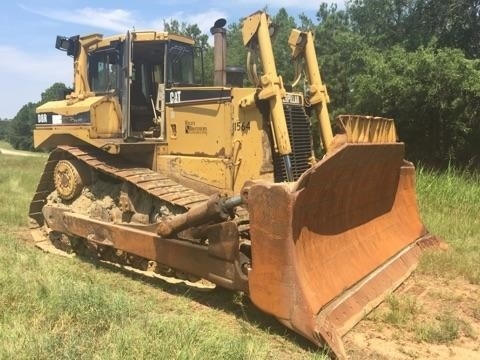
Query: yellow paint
(257, 26)
(205, 174)
(217, 145)
(214, 144)
(200, 129)
(147, 35)
(63, 107)
(47, 137)
(303, 46)
(368, 129)
(106, 117)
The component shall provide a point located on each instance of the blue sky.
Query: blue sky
(29, 62)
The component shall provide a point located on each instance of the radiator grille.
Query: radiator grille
(300, 140)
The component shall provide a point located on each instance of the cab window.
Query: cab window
(180, 64)
(104, 71)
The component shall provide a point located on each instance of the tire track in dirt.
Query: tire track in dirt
(19, 153)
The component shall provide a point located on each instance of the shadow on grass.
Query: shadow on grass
(228, 301)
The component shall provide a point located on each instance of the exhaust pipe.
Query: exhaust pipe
(220, 52)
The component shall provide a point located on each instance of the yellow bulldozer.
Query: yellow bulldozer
(150, 169)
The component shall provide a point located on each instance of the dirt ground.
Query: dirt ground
(18, 152)
(377, 338)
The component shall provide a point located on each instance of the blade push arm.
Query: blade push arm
(302, 45)
(256, 30)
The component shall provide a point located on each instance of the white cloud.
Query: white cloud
(204, 20)
(110, 19)
(25, 77)
(121, 20)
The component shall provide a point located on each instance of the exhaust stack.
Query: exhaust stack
(220, 52)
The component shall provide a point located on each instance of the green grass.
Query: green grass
(59, 308)
(5, 145)
(18, 180)
(400, 310)
(445, 328)
(449, 203)
(54, 307)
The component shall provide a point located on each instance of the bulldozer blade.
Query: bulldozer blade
(328, 248)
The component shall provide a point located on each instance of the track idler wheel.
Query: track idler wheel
(70, 178)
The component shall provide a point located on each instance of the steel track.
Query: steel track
(155, 184)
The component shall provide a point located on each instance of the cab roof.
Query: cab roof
(144, 35)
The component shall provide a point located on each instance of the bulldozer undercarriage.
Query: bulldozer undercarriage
(95, 205)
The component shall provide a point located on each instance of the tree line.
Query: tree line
(412, 60)
(19, 130)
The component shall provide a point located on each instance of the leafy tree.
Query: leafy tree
(190, 30)
(20, 129)
(205, 51)
(306, 24)
(236, 51)
(433, 95)
(4, 128)
(393, 65)
(54, 92)
(283, 24)
(452, 23)
(336, 45)
(416, 23)
(389, 26)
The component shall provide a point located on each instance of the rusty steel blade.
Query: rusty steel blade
(330, 247)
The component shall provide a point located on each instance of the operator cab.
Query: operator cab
(138, 70)
(134, 70)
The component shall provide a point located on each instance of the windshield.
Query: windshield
(103, 71)
(180, 64)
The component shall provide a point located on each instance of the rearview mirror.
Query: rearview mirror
(70, 45)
